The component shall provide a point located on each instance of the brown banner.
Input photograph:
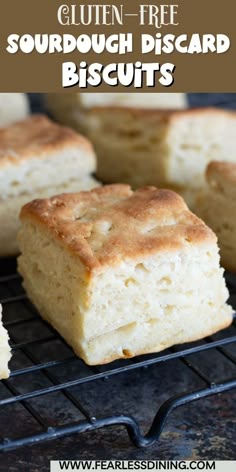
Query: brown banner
(31, 30)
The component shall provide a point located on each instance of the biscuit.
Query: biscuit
(5, 351)
(71, 109)
(217, 206)
(38, 158)
(120, 273)
(13, 107)
(36, 153)
(168, 149)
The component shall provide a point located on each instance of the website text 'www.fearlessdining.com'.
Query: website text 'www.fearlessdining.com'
(99, 465)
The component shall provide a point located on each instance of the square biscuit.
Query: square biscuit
(70, 108)
(217, 206)
(5, 351)
(38, 159)
(36, 153)
(120, 273)
(165, 148)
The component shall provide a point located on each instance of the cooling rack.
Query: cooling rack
(45, 375)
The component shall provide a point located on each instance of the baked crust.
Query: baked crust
(108, 224)
(36, 136)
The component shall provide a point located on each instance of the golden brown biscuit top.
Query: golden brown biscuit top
(111, 224)
(36, 136)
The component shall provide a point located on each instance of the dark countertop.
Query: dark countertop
(202, 430)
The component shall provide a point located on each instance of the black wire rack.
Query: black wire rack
(44, 366)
